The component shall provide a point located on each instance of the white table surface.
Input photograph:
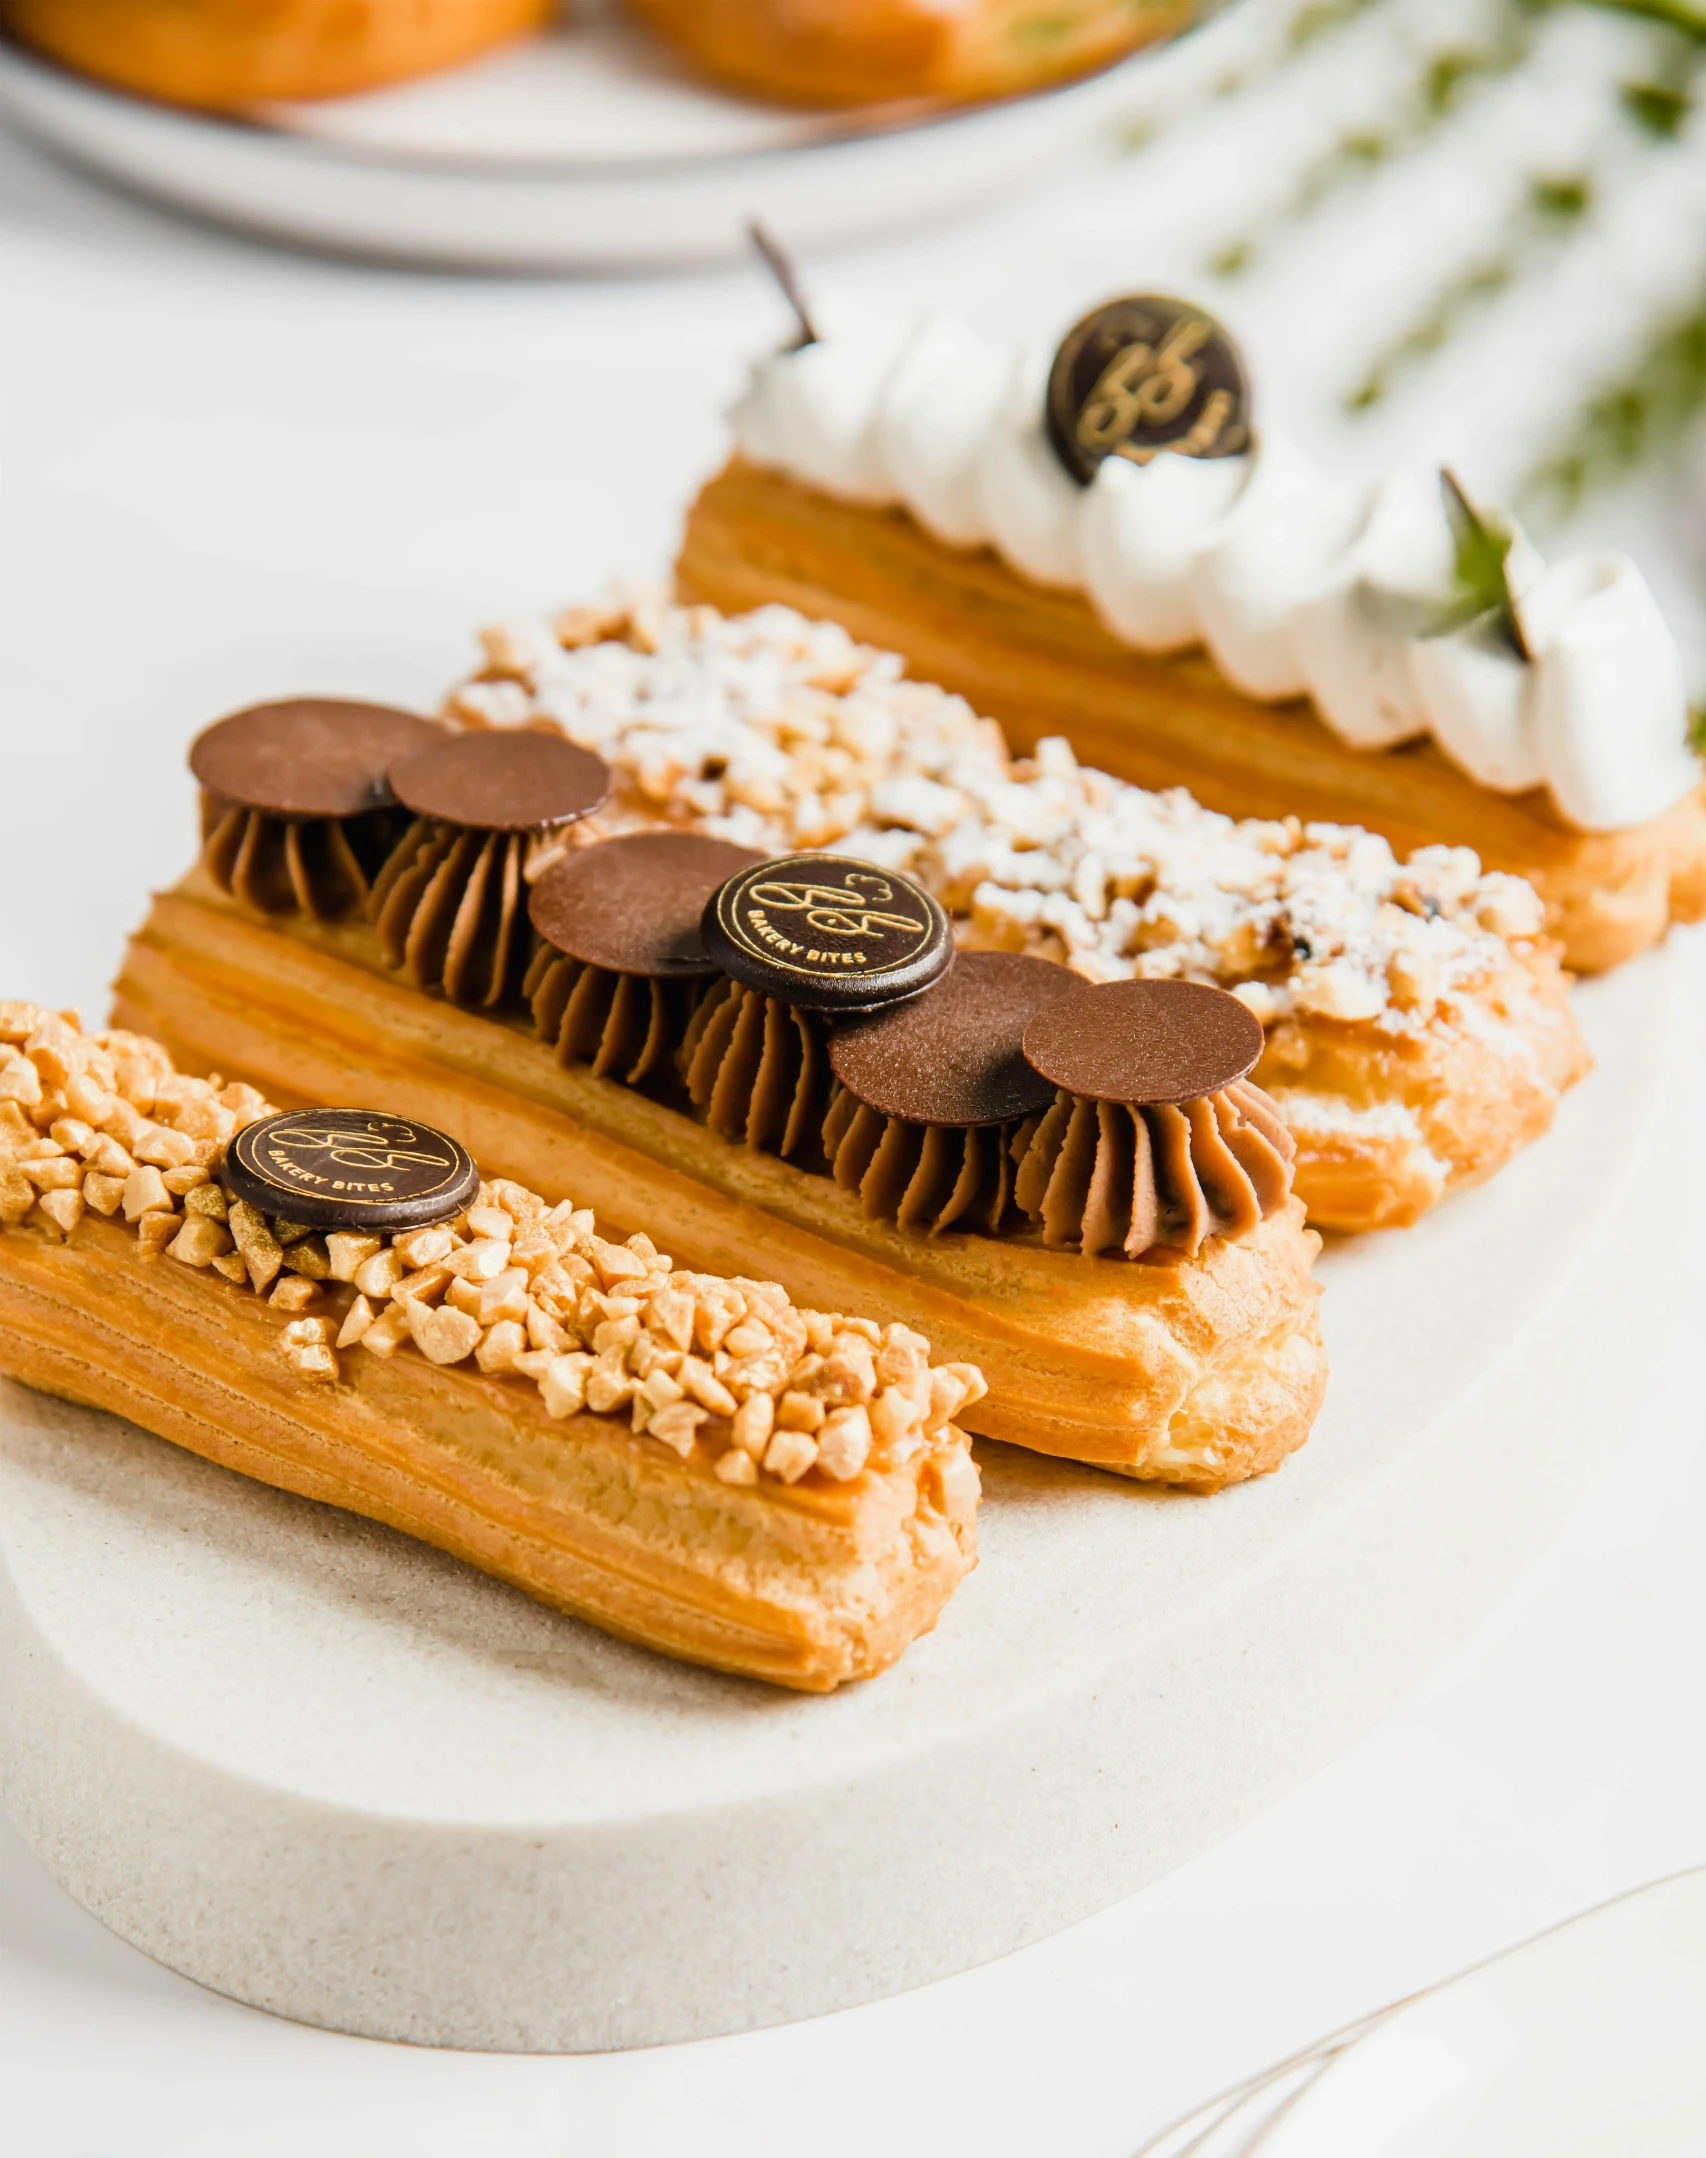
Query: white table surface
(227, 473)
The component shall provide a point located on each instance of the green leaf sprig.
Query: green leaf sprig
(1484, 542)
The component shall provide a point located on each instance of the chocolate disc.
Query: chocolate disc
(953, 1055)
(350, 1169)
(1143, 1041)
(634, 904)
(828, 933)
(507, 779)
(308, 756)
(1145, 374)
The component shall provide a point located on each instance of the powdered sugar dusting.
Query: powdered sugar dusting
(783, 733)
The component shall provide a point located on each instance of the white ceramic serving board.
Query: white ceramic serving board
(331, 1772)
(587, 147)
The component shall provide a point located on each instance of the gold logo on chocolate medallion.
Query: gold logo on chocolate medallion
(351, 1168)
(1143, 375)
(819, 930)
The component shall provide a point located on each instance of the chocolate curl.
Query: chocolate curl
(626, 1026)
(322, 866)
(921, 1176)
(450, 909)
(1153, 1183)
(758, 1071)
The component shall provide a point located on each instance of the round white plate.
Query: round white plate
(1589, 2042)
(585, 148)
(335, 1773)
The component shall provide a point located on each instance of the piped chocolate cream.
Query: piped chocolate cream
(297, 814)
(801, 940)
(1004, 1096)
(931, 1095)
(621, 966)
(812, 1007)
(449, 902)
(1157, 1140)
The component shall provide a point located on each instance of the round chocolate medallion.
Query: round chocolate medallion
(1143, 1041)
(1145, 374)
(508, 779)
(827, 932)
(633, 905)
(953, 1055)
(350, 1169)
(308, 757)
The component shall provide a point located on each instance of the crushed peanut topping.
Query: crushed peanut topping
(783, 733)
(728, 1371)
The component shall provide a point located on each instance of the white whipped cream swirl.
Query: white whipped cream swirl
(1296, 584)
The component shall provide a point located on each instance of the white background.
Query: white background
(228, 473)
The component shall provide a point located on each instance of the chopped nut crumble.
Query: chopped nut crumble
(728, 1371)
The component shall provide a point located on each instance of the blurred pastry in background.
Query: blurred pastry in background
(862, 52)
(218, 54)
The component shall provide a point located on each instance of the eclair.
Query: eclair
(1099, 543)
(221, 55)
(337, 1302)
(864, 52)
(786, 1062)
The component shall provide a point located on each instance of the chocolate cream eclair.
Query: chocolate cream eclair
(690, 1049)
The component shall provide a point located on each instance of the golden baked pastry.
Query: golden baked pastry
(689, 1461)
(667, 1078)
(1041, 662)
(1198, 1374)
(222, 54)
(1418, 1028)
(866, 52)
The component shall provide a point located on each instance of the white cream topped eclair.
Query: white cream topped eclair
(687, 1460)
(1112, 1230)
(1418, 1032)
(1104, 547)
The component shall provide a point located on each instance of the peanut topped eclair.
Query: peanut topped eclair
(1418, 1031)
(1102, 542)
(334, 1302)
(729, 1047)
